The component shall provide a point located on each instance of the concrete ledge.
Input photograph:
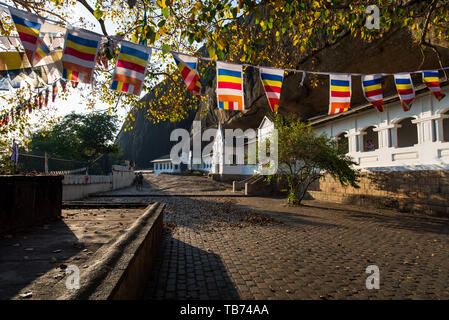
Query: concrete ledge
(120, 270)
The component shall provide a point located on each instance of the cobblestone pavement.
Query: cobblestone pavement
(258, 248)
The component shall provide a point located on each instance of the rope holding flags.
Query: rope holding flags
(340, 93)
(131, 66)
(81, 53)
(272, 85)
(406, 91)
(188, 66)
(372, 90)
(230, 86)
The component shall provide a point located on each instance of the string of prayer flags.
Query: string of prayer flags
(131, 66)
(272, 84)
(372, 89)
(80, 55)
(431, 79)
(340, 93)
(230, 86)
(405, 88)
(188, 67)
(28, 26)
(74, 84)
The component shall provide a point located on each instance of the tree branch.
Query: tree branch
(101, 21)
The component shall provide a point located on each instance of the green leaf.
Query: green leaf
(166, 47)
(211, 51)
(98, 14)
(165, 12)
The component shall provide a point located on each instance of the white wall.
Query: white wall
(74, 187)
(430, 152)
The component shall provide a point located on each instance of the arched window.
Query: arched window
(446, 127)
(407, 133)
(370, 139)
(342, 142)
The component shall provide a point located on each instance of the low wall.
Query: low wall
(27, 200)
(227, 177)
(76, 187)
(120, 270)
(408, 191)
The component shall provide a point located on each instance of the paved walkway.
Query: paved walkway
(258, 248)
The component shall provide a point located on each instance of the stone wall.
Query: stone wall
(408, 191)
(26, 201)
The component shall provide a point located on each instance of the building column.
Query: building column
(439, 130)
(394, 135)
(353, 141)
(425, 128)
(384, 136)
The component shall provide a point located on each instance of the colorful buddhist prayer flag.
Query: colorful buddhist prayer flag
(47, 93)
(188, 67)
(230, 86)
(41, 52)
(28, 26)
(41, 100)
(80, 55)
(131, 66)
(63, 85)
(54, 92)
(74, 84)
(372, 89)
(340, 93)
(431, 79)
(272, 84)
(405, 88)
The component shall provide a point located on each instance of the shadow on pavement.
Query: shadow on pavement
(187, 272)
(27, 255)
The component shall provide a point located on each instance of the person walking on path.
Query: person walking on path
(139, 181)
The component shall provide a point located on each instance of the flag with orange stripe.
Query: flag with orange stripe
(431, 79)
(28, 26)
(340, 93)
(230, 86)
(406, 90)
(131, 66)
(79, 55)
(188, 67)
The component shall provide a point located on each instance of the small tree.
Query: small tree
(304, 157)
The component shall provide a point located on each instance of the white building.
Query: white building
(225, 159)
(414, 140)
(164, 164)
